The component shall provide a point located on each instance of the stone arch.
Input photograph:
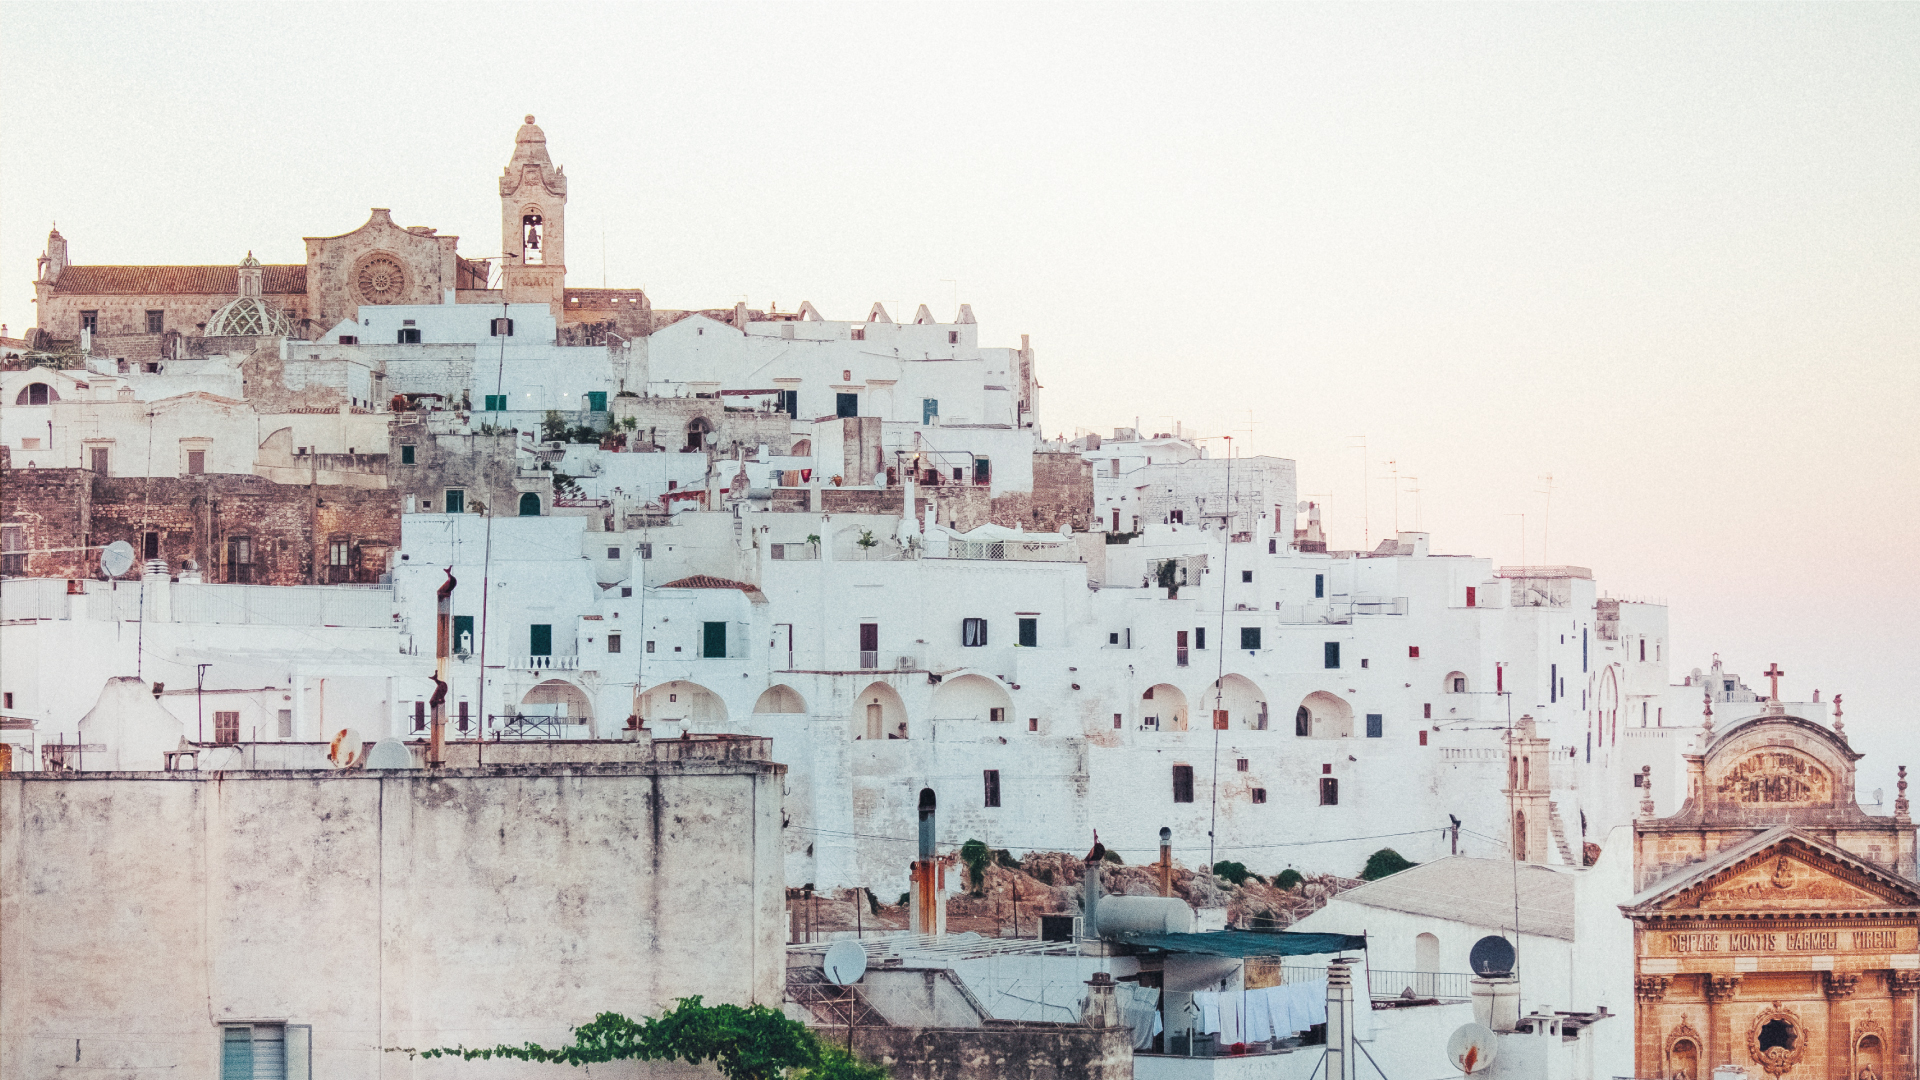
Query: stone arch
(1322, 715)
(801, 448)
(697, 429)
(1869, 1052)
(529, 504)
(558, 697)
(1606, 702)
(37, 393)
(780, 698)
(684, 702)
(1683, 1057)
(1245, 702)
(1426, 952)
(1454, 683)
(972, 697)
(1166, 705)
(878, 713)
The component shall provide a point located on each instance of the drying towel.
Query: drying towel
(1209, 1005)
(1139, 1010)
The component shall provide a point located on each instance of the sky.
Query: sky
(1667, 256)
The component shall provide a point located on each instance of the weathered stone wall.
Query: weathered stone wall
(1062, 496)
(665, 421)
(483, 466)
(336, 286)
(385, 909)
(289, 527)
(998, 1052)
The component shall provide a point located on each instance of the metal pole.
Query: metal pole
(199, 692)
(1220, 651)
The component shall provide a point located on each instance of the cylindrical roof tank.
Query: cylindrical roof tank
(1144, 915)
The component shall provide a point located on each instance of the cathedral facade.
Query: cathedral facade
(142, 313)
(1777, 925)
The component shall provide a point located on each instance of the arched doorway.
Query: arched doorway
(780, 698)
(683, 702)
(1243, 699)
(972, 697)
(1164, 708)
(878, 713)
(1323, 716)
(529, 504)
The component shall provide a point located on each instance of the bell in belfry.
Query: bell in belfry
(533, 238)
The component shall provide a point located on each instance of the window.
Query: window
(535, 229)
(151, 545)
(1333, 654)
(257, 1050)
(6, 700)
(239, 559)
(646, 552)
(1375, 723)
(626, 590)
(869, 645)
(1413, 652)
(408, 336)
(1113, 638)
(1182, 783)
(419, 716)
(1199, 637)
(973, 633)
(953, 337)
(982, 470)
(1033, 723)
(649, 646)
(1643, 648)
(996, 716)
(1302, 721)
(286, 723)
(1553, 680)
(1246, 577)
(156, 322)
(496, 403)
(529, 505)
(992, 778)
(196, 462)
(846, 404)
(226, 728)
(613, 643)
(90, 321)
(1241, 764)
(349, 339)
(1259, 794)
(1473, 595)
(1029, 633)
(596, 401)
(1116, 721)
(1178, 517)
(1329, 791)
(1273, 547)
(338, 552)
(1249, 637)
(1365, 661)
(613, 553)
(929, 408)
(1423, 736)
(456, 501)
(406, 453)
(1180, 648)
(540, 639)
(13, 551)
(859, 333)
(1637, 778)
(99, 456)
(502, 328)
(463, 634)
(1426, 711)
(713, 641)
(1319, 586)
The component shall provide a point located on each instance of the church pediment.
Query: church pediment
(1781, 871)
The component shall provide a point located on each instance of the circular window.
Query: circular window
(1774, 1040)
(380, 279)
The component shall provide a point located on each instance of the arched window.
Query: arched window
(36, 394)
(1426, 953)
(529, 505)
(697, 429)
(1519, 834)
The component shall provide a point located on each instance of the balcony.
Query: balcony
(869, 659)
(545, 663)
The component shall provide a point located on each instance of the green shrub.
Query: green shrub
(1288, 878)
(1235, 872)
(1384, 862)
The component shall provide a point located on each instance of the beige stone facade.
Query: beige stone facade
(1778, 925)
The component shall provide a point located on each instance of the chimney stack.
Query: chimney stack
(1165, 870)
(929, 877)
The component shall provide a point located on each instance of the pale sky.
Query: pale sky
(1668, 255)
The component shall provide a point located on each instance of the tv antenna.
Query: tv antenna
(116, 558)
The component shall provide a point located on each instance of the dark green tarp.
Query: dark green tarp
(1244, 943)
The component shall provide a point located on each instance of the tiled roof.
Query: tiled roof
(703, 581)
(202, 280)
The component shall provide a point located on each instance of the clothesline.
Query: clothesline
(1258, 1015)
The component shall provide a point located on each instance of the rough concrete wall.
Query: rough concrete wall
(1009, 1052)
(386, 910)
(289, 526)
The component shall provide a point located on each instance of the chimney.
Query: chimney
(443, 642)
(1340, 1047)
(929, 877)
(1101, 1009)
(1165, 870)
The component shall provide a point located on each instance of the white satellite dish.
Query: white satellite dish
(116, 558)
(845, 962)
(345, 749)
(1472, 1047)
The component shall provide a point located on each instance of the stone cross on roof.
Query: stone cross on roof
(1773, 674)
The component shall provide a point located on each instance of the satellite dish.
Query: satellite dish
(845, 962)
(880, 481)
(344, 750)
(1492, 957)
(116, 558)
(389, 753)
(1472, 1047)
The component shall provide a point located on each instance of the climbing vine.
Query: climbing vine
(750, 1042)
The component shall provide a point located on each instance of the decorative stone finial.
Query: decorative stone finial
(1900, 800)
(1646, 791)
(1707, 723)
(529, 118)
(1839, 727)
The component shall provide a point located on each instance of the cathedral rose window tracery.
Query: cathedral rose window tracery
(380, 279)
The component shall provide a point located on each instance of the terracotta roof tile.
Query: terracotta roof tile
(703, 581)
(201, 280)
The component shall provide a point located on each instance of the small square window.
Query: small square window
(626, 590)
(1259, 794)
(953, 337)
(1240, 765)
(1033, 723)
(1365, 662)
(996, 715)
(973, 633)
(613, 643)
(613, 553)
(1250, 637)
(156, 322)
(196, 462)
(1113, 638)
(456, 501)
(1246, 577)
(649, 646)
(1413, 652)
(406, 453)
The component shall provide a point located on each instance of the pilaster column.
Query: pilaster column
(1721, 989)
(1901, 1059)
(1650, 1033)
(1840, 986)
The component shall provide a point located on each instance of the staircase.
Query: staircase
(1559, 828)
(828, 1003)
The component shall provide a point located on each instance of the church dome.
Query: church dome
(249, 316)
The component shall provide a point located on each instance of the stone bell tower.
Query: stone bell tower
(533, 236)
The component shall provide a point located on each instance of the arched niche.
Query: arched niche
(1454, 683)
(1245, 702)
(971, 697)
(878, 713)
(557, 697)
(683, 702)
(36, 393)
(780, 698)
(1321, 715)
(1164, 706)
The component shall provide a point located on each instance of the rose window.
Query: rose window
(381, 280)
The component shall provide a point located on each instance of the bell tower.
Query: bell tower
(533, 235)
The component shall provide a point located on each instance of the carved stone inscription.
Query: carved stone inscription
(1776, 776)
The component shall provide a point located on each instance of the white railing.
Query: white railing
(1012, 550)
(546, 663)
(869, 659)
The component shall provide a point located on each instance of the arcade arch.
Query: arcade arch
(683, 702)
(780, 698)
(972, 697)
(1323, 716)
(1163, 707)
(878, 713)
